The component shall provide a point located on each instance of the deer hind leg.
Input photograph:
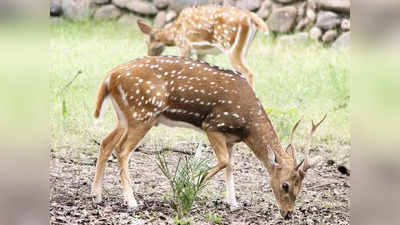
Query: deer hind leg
(239, 51)
(106, 148)
(230, 185)
(134, 134)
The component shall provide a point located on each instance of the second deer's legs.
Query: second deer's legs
(238, 52)
(133, 136)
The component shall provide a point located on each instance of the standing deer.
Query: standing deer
(180, 91)
(208, 30)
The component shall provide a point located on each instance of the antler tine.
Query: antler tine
(308, 146)
(294, 129)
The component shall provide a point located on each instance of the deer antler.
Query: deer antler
(294, 129)
(308, 146)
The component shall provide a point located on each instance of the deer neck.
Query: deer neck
(262, 136)
(168, 34)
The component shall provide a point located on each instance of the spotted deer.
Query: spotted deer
(208, 29)
(183, 92)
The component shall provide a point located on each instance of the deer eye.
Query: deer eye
(285, 187)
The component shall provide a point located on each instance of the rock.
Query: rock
(341, 6)
(301, 9)
(315, 33)
(327, 20)
(342, 41)
(178, 5)
(171, 14)
(128, 19)
(108, 12)
(101, 2)
(55, 9)
(286, 1)
(76, 10)
(228, 3)
(161, 4)
(265, 9)
(160, 20)
(120, 3)
(311, 14)
(282, 19)
(303, 23)
(249, 5)
(329, 36)
(345, 25)
(299, 37)
(142, 7)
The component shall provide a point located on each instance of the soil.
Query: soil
(325, 197)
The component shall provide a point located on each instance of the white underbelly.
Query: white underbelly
(173, 123)
(205, 48)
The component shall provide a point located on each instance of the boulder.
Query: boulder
(171, 14)
(142, 7)
(329, 36)
(311, 14)
(228, 3)
(120, 3)
(248, 5)
(303, 23)
(160, 20)
(101, 2)
(265, 9)
(55, 9)
(282, 19)
(178, 5)
(341, 6)
(77, 9)
(56, 20)
(128, 19)
(108, 12)
(299, 37)
(327, 20)
(161, 4)
(286, 1)
(301, 9)
(342, 41)
(345, 24)
(315, 33)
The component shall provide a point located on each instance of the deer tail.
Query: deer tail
(259, 22)
(102, 93)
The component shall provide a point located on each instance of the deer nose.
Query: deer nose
(289, 215)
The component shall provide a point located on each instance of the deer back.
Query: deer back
(185, 90)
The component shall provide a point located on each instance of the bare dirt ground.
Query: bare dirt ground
(325, 198)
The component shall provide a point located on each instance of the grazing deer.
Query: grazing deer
(208, 30)
(180, 91)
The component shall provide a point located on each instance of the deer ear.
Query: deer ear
(145, 28)
(272, 157)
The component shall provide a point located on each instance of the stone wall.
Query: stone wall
(324, 20)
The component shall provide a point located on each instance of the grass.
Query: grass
(291, 80)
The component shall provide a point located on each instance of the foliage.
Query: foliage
(186, 180)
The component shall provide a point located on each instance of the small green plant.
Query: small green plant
(215, 219)
(187, 179)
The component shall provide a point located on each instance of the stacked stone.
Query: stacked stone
(323, 20)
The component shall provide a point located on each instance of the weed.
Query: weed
(186, 180)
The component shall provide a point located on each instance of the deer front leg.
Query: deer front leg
(224, 156)
(230, 184)
(184, 50)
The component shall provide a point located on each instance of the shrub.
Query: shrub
(186, 180)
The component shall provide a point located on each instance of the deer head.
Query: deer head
(155, 43)
(287, 175)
